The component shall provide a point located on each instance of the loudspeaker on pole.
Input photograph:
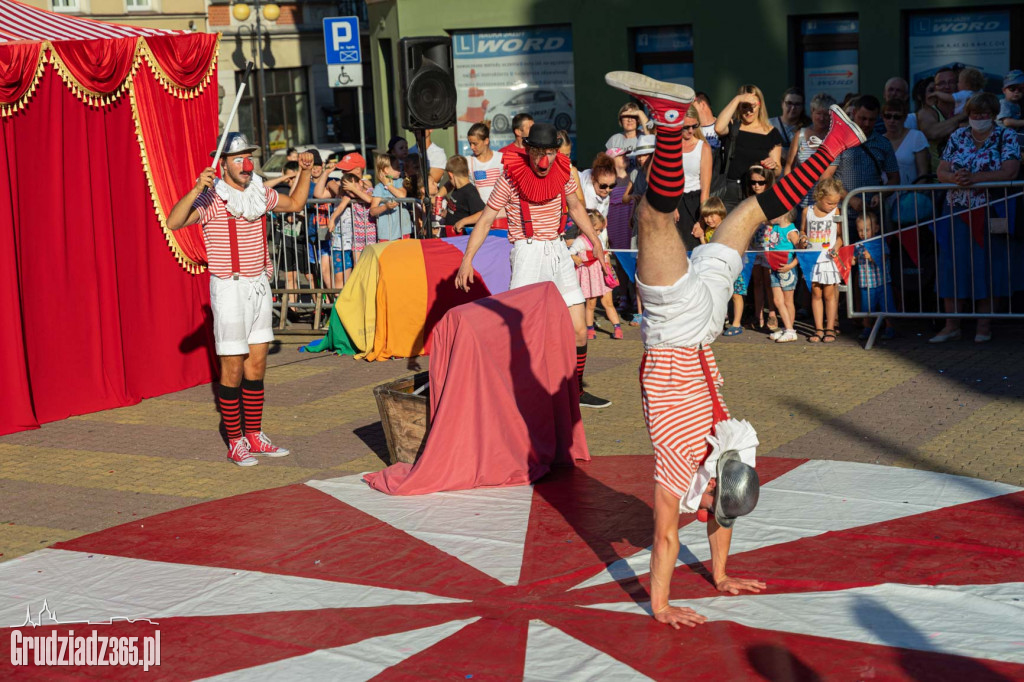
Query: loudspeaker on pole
(427, 82)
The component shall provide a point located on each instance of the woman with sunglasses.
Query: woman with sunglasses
(697, 167)
(911, 145)
(753, 140)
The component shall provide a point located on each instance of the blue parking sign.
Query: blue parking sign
(341, 40)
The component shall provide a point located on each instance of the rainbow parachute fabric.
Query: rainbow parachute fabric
(399, 290)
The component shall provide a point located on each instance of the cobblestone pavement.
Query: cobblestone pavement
(956, 408)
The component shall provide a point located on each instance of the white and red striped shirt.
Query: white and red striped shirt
(547, 217)
(253, 257)
(485, 175)
(678, 411)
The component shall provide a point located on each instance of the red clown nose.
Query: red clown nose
(247, 165)
(543, 162)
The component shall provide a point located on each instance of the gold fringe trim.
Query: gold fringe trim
(91, 97)
(11, 108)
(189, 265)
(168, 84)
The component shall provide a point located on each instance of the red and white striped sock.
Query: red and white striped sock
(229, 398)
(791, 188)
(665, 183)
(581, 363)
(252, 405)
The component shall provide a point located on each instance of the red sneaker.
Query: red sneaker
(617, 334)
(591, 333)
(260, 445)
(238, 452)
(667, 103)
(843, 133)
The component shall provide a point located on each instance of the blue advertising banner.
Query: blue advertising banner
(499, 74)
(977, 39)
(834, 71)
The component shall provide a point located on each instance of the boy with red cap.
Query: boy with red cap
(231, 210)
(684, 311)
(537, 191)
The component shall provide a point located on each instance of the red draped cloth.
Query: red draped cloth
(95, 312)
(504, 402)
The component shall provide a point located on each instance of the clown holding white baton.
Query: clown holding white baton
(232, 211)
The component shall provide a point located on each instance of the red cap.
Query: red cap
(352, 161)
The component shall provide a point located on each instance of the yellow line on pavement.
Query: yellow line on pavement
(16, 540)
(141, 473)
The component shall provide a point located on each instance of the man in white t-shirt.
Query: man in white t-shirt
(436, 157)
(231, 211)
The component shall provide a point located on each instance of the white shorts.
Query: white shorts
(545, 261)
(691, 311)
(242, 313)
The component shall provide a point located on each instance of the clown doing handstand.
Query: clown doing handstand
(684, 311)
(537, 191)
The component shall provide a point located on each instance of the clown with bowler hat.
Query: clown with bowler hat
(538, 191)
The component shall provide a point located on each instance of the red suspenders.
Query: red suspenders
(524, 212)
(236, 261)
(236, 264)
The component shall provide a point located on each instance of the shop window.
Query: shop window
(286, 104)
(664, 53)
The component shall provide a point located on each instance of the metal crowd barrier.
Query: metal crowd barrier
(934, 249)
(303, 251)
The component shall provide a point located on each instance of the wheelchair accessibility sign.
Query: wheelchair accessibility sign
(341, 46)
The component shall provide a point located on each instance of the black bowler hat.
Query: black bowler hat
(543, 136)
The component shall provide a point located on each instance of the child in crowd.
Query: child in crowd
(820, 231)
(712, 213)
(1010, 108)
(875, 281)
(464, 202)
(393, 220)
(760, 179)
(969, 83)
(351, 225)
(756, 180)
(591, 274)
(784, 237)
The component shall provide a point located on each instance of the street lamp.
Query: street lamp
(269, 11)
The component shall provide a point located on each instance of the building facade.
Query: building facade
(549, 56)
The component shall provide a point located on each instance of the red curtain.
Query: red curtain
(185, 58)
(98, 65)
(18, 64)
(179, 133)
(94, 312)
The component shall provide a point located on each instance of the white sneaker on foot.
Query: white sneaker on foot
(238, 452)
(667, 103)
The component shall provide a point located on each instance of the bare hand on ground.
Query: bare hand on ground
(679, 615)
(737, 585)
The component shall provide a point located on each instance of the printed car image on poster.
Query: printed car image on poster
(499, 74)
(977, 39)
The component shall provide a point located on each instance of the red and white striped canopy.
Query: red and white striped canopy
(22, 22)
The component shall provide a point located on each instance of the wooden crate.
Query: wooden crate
(405, 417)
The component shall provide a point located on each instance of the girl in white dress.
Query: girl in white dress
(820, 230)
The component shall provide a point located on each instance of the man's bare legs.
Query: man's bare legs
(233, 368)
(661, 261)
